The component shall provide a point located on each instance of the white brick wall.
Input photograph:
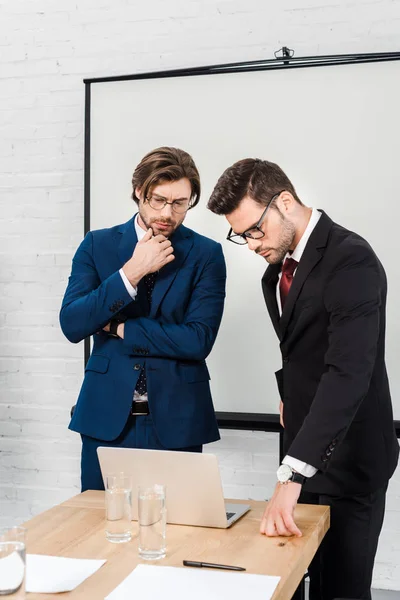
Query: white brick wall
(46, 48)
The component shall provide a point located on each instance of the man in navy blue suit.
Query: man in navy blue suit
(151, 293)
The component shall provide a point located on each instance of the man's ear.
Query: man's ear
(138, 193)
(285, 202)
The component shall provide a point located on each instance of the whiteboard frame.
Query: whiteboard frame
(226, 420)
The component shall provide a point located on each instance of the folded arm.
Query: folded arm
(88, 303)
(192, 339)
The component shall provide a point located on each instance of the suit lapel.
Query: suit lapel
(312, 254)
(310, 258)
(269, 283)
(127, 242)
(182, 242)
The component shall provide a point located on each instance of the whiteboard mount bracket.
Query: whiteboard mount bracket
(284, 53)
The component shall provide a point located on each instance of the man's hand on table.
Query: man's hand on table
(278, 515)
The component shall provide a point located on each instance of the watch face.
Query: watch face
(284, 473)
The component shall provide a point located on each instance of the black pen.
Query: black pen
(194, 563)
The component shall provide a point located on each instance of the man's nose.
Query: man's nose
(167, 211)
(253, 244)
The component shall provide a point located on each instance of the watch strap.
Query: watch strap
(298, 478)
(113, 328)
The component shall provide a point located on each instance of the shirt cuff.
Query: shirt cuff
(299, 466)
(129, 287)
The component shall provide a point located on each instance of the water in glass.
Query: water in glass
(12, 564)
(118, 513)
(152, 522)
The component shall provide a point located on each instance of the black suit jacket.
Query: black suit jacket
(333, 382)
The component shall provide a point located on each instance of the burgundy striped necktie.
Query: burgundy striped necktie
(288, 268)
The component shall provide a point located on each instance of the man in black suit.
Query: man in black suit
(325, 291)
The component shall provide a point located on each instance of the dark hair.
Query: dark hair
(166, 164)
(259, 179)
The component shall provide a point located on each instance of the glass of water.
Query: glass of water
(152, 518)
(12, 563)
(118, 508)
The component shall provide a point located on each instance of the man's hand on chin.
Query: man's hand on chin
(278, 515)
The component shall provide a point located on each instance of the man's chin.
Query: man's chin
(166, 231)
(274, 260)
(271, 257)
(266, 255)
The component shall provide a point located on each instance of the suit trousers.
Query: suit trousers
(343, 565)
(138, 432)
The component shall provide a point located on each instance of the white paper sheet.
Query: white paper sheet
(53, 574)
(174, 583)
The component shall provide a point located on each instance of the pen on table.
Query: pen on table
(195, 563)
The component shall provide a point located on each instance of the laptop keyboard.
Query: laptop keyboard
(229, 515)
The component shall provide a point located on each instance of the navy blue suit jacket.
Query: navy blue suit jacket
(172, 338)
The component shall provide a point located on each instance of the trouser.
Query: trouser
(138, 432)
(343, 565)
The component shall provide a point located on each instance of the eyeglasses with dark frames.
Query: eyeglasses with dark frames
(254, 232)
(178, 206)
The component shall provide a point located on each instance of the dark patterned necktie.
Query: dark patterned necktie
(288, 269)
(149, 281)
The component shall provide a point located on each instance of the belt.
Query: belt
(139, 408)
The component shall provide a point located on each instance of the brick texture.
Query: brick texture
(46, 49)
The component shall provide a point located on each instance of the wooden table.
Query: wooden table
(75, 529)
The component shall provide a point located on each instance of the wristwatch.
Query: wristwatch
(113, 328)
(285, 473)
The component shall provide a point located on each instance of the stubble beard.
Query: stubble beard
(150, 223)
(285, 243)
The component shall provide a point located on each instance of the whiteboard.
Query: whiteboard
(335, 131)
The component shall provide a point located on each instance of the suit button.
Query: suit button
(137, 367)
(286, 359)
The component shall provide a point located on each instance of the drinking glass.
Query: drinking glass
(152, 518)
(12, 563)
(118, 493)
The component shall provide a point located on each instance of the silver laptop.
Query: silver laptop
(194, 493)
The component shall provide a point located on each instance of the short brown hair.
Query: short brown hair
(166, 164)
(259, 179)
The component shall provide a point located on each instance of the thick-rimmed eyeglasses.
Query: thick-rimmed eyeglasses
(254, 232)
(178, 206)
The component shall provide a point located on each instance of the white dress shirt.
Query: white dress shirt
(140, 232)
(299, 465)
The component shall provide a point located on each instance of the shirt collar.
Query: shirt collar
(139, 231)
